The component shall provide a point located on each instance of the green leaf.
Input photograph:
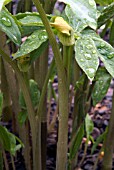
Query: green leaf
(86, 56)
(37, 53)
(13, 146)
(81, 14)
(33, 42)
(106, 54)
(31, 21)
(34, 92)
(4, 2)
(88, 125)
(101, 86)
(22, 117)
(1, 104)
(4, 138)
(76, 142)
(104, 2)
(27, 30)
(8, 24)
(106, 14)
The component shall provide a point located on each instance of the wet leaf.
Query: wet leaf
(106, 14)
(81, 13)
(104, 2)
(8, 24)
(34, 20)
(106, 54)
(4, 2)
(88, 125)
(37, 53)
(102, 83)
(86, 56)
(32, 42)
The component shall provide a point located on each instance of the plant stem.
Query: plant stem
(109, 143)
(63, 93)
(12, 161)
(45, 87)
(1, 160)
(28, 101)
(6, 166)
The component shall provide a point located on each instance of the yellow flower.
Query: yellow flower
(61, 25)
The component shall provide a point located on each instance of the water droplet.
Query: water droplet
(91, 2)
(94, 51)
(111, 55)
(14, 37)
(101, 82)
(89, 46)
(6, 21)
(87, 56)
(82, 60)
(90, 72)
(81, 51)
(33, 36)
(102, 44)
(45, 37)
(95, 93)
(30, 43)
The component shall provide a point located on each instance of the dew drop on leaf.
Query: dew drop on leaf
(111, 55)
(33, 36)
(81, 60)
(6, 21)
(91, 2)
(90, 72)
(87, 56)
(94, 51)
(89, 46)
(102, 44)
(100, 82)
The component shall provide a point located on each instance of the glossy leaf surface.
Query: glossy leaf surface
(104, 2)
(106, 54)
(32, 42)
(37, 53)
(86, 56)
(106, 14)
(81, 14)
(8, 24)
(4, 2)
(102, 83)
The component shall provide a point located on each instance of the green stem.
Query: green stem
(28, 101)
(44, 89)
(70, 55)
(63, 93)
(1, 160)
(109, 143)
(12, 161)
